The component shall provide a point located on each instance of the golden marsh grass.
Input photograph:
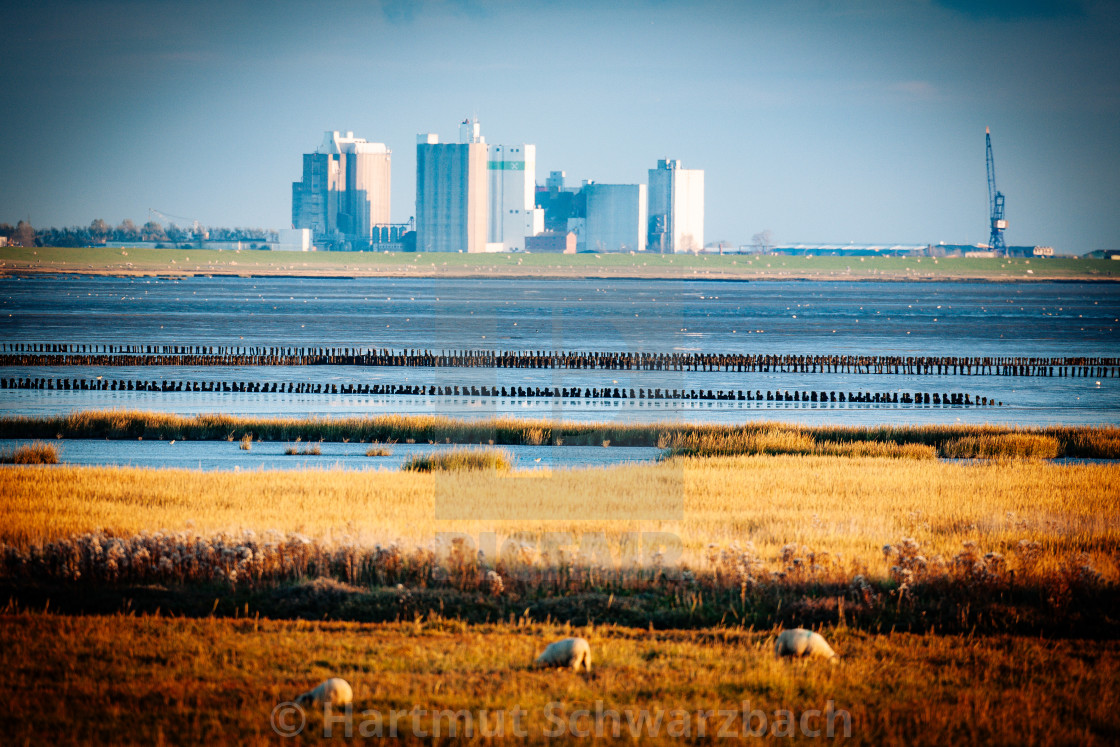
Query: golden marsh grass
(34, 453)
(694, 440)
(459, 459)
(847, 506)
(1024, 445)
(309, 450)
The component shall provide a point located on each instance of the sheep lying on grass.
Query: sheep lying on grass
(335, 691)
(799, 642)
(570, 652)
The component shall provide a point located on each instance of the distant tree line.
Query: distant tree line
(21, 235)
(100, 232)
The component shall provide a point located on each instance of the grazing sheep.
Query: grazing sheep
(570, 652)
(799, 642)
(335, 691)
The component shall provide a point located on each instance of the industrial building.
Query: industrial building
(841, 250)
(676, 208)
(292, 240)
(603, 217)
(474, 197)
(987, 250)
(514, 214)
(344, 193)
(616, 218)
(452, 192)
(898, 250)
(560, 203)
(551, 242)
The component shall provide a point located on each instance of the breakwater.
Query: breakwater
(78, 354)
(520, 392)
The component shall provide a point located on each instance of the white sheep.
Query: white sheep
(799, 642)
(335, 691)
(570, 652)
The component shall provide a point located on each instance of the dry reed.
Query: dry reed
(309, 450)
(459, 459)
(1073, 441)
(34, 453)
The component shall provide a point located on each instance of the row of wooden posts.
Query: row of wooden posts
(75, 354)
(522, 392)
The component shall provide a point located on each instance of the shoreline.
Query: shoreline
(511, 276)
(17, 262)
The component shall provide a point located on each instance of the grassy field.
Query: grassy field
(18, 260)
(127, 679)
(969, 601)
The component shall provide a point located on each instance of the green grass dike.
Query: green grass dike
(256, 263)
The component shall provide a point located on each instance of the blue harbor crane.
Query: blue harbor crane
(995, 203)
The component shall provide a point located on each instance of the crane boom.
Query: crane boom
(991, 170)
(995, 201)
(196, 227)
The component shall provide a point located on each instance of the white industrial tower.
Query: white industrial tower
(676, 208)
(513, 211)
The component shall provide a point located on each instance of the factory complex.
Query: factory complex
(474, 197)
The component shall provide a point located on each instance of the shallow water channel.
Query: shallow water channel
(269, 455)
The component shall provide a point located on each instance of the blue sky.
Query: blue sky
(858, 121)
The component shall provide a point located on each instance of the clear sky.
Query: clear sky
(859, 121)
